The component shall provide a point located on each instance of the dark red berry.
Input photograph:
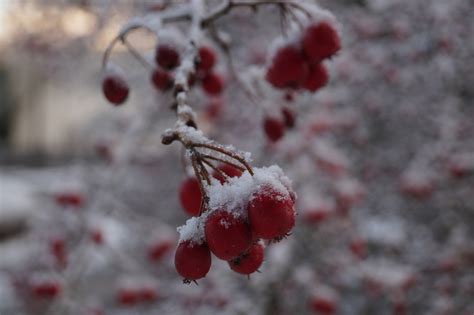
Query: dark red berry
(271, 213)
(288, 68)
(214, 108)
(127, 297)
(115, 89)
(207, 59)
(192, 261)
(274, 128)
(322, 305)
(57, 247)
(46, 289)
(147, 294)
(167, 57)
(320, 41)
(228, 170)
(69, 199)
(212, 83)
(288, 117)
(248, 262)
(96, 236)
(161, 80)
(190, 196)
(227, 236)
(317, 77)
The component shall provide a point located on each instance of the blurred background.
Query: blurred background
(382, 160)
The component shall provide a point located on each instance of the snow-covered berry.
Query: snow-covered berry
(227, 235)
(115, 88)
(271, 213)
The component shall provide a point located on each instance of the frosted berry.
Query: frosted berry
(190, 196)
(161, 80)
(227, 170)
(207, 59)
(317, 78)
(227, 236)
(274, 128)
(167, 57)
(212, 83)
(115, 89)
(288, 68)
(248, 262)
(320, 41)
(192, 261)
(271, 213)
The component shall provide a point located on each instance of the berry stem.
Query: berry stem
(226, 152)
(206, 156)
(147, 65)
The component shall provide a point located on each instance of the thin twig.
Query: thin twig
(223, 151)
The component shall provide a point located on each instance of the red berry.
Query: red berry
(248, 262)
(97, 237)
(320, 41)
(288, 68)
(271, 213)
(207, 59)
(227, 236)
(47, 289)
(167, 57)
(147, 294)
(227, 170)
(288, 117)
(161, 80)
(127, 297)
(274, 128)
(57, 248)
(192, 261)
(317, 78)
(214, 107)
(71, 199)
(157, 250)
(212, 83)
(190, 196)
(358, 248)
(115, 89)
(323, 305)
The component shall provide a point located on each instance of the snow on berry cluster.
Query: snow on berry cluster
(241, 213)
(297, 62)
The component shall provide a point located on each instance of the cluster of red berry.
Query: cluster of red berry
(300, 66)
(167, 59)
(234, 236)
